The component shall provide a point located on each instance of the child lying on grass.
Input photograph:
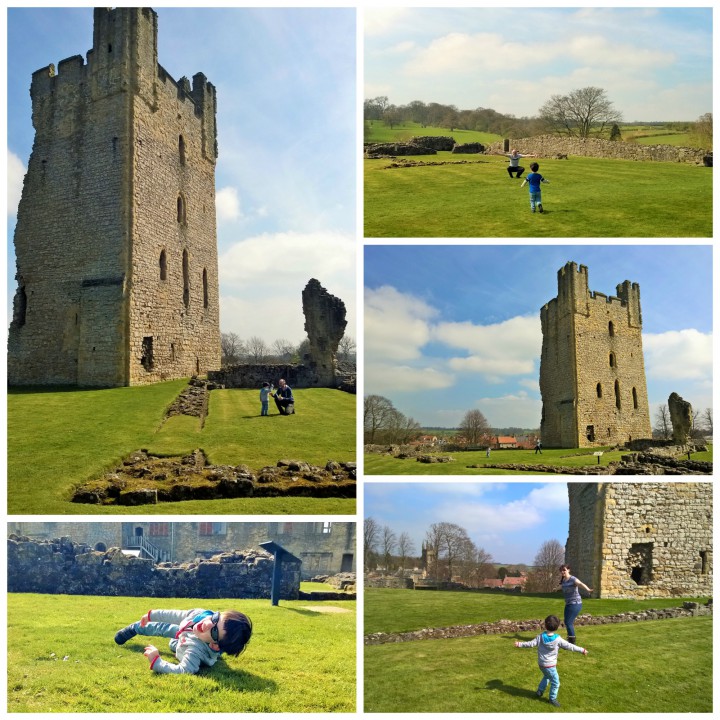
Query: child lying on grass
(199, 637)
(548, 645)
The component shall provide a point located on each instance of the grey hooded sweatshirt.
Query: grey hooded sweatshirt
(548, 645)
(189, 649)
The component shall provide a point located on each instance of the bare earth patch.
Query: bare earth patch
(326, 609)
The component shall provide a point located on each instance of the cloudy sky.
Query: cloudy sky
(457, 327)
(654, 63)
(508, 520)
(285, 178)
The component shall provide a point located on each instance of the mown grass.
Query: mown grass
(389, 610)
(379, 132)
(586, 197)
(566, 458)
(653, 666)
(60, 439)
(62, 658)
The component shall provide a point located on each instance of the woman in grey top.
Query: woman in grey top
(573, 602)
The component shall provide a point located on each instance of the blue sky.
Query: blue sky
(508, 520)
(451, 328)
(286, 101)
(654, 63)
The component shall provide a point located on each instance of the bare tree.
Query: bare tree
(579, 112)
(347, 348)
(474, 427)
(231, 349)
(663, 424)
(405, 546)
(545, 577)
(388, 541)
(707, 418)
(371, 537)
(257, 349)
(377, 412)
(283, 349)
(702, 131)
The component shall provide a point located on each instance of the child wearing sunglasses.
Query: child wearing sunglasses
(198, 637)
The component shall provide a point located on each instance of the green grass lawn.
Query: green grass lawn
(585, 197)
(390, 610)
(653, 666)
(62, 658)
(379, 132)
(60, 439)
(569, 458)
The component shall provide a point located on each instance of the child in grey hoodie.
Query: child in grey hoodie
(548, 645)
(199, 637)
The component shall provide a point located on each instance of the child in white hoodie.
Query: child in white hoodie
(548, 645)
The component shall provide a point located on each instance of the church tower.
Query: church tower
(115, 240)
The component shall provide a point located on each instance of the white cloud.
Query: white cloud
(387, 377)
(507, 348)
(678, 355)
(519, 410)
(397, 325)
(227, 204)
(16, 176)
(379, 20)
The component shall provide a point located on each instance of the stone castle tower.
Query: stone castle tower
(592, 373)
(115, 242)
(639, 540)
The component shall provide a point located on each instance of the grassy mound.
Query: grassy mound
(62, 658)
(585, 197)
(59, 439)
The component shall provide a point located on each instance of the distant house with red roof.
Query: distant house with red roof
(504, 442)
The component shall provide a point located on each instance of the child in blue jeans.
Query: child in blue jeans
(533, 179)
(548, 645)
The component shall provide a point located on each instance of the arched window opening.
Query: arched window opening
(19, 307)
(186, 279)
(163, 265)
(181, 149)
(635, 400)
(599, 390)
(205, 288)
(611, 329)
(617, 394)
(612, 359)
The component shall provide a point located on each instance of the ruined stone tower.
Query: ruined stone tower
(116, 241)
(592, 373)
(641, 540)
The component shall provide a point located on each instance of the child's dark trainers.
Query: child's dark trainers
(122, 636)
(538, 693)
(555, 703)
(540, 208)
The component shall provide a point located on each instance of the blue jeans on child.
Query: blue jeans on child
(551, 676)
(263, 407)
(535, 199)
(572, 610)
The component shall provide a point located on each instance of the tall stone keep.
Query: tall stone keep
(115, 241)
(592, 372)
(637, 540)
(325, 325)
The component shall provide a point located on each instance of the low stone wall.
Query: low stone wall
(63, 567)
(469, 148)
(389, 581)
(547, 146)
(689, 609)
(296, 376)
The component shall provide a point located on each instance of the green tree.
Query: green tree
(579, 112)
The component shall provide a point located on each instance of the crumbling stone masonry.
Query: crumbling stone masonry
(592, 373)
(116, 241)
(64, 567)
(641, 540)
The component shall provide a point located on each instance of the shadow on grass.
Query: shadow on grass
(222, 674)
(509, 689)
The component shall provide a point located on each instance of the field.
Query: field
(379, 132)
(568, 458)
(473, 196)
(630, 667)
(62, 658)
(59, 439)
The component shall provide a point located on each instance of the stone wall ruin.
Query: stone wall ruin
(641, 540)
